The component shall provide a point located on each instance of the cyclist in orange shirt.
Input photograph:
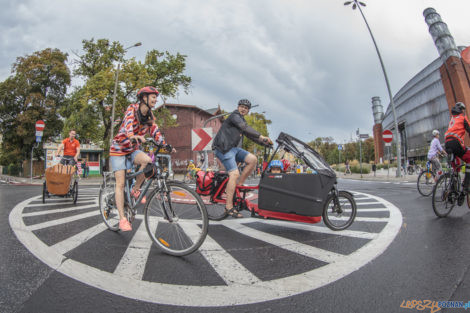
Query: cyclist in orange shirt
(71, 148)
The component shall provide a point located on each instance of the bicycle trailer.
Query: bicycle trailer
(296, 196)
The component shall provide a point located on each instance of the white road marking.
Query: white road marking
(62, 220)
(287, 244)
(54, 204)
(323, 230)
(228, 268)
(209, 296)
(132, 264)
(361, 219)
(71, 243)
(372, 210)
(46, 212)
(368, 202)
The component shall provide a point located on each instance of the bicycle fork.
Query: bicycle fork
(337, 204)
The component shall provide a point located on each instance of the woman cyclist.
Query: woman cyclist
(138, 121)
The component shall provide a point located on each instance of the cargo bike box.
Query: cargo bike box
(297, 195)
(60, 181)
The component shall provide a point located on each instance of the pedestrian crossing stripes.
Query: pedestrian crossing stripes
(241, 283)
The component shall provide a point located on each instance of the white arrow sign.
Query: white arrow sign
(201, 139)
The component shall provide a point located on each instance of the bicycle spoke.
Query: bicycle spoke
(176, 220)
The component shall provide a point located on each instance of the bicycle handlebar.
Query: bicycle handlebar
(152, 141)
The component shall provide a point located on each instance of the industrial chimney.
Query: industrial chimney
(453, 71)
(378, 111)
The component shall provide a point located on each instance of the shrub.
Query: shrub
(357, 169)
(14, 169)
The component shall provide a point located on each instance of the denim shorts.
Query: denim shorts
(123, 162)
(230, 159)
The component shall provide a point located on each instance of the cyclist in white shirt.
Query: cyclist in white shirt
(435, 151)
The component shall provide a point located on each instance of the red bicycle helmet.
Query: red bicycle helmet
(146, 91)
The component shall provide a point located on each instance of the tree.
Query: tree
(89, 106)
(259, 122)
(368, 150)
(35, 91)
(351, 150)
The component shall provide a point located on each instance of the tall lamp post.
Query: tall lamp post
(115, 92)
(358, 4)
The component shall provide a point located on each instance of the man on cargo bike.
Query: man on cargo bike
(226, 147)
(309, 197)
(71, 148)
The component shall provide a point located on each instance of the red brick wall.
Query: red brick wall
(378, 143)
(180, 136)
(455, 78)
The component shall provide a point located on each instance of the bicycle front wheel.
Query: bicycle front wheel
(425, 183)
(443, 198)
(176, 219)
(339, 215)
(108, 210)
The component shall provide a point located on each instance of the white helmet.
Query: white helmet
(435, 133)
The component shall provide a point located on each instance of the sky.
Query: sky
(310, 65)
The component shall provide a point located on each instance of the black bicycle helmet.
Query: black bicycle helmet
(245, 102)
(459, 107)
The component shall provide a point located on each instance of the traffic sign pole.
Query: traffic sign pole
(40, 125)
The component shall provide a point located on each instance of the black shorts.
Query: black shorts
(454, 146)
(67, 160)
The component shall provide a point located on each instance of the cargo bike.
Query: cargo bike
(301, 197)
(61, 181)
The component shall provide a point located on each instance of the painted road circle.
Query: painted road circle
(241, 286)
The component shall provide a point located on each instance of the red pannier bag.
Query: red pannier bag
(204, 182)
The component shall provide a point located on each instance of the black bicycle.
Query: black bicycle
(426, 180)
(448, 190)
(175, 216)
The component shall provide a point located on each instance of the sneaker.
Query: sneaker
(124, 225)
(136, 194)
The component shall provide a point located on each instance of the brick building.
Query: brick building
(189, 117)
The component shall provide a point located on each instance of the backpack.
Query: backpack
(204, 182)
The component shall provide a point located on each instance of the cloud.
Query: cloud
(310, 65)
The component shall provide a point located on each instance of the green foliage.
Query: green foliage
(89, 107)
(259, 122)
(356, 169)
(14, 169)
(35, 90)
(328, 149)
(166, 72)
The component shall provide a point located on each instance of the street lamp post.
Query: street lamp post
(115, 92)
(358, 4)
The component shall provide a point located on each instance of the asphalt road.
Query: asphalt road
(257, 266)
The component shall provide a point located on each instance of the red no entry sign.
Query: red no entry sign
(40, 125)
(387, 136)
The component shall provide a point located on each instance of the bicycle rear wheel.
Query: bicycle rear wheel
(443, 198)
(108, 210)
(339, 217)
(425, 183)
(176, 219)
